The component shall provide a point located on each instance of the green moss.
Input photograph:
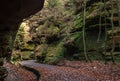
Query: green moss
(26, 55)
(67, 25)
(41, 53)
(55, 54)
(78, 40)
(78, 21)
(53, 3)
(28, 47)
(43, 49)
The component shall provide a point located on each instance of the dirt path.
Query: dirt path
(76, 71)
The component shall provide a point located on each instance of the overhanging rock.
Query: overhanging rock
(12, 12)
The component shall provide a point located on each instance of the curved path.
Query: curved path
(75, 72)
(55, 73)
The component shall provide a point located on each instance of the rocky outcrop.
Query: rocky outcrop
(11, 15)
(65, 25)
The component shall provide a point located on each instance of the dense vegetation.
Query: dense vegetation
(71, 29)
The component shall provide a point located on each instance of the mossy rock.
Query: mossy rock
(16, 57)
(41, 52)
(28, 47)
(55, 54)
(26, 55)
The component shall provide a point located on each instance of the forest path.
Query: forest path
(76, 71)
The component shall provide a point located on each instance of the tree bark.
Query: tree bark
(84, 32)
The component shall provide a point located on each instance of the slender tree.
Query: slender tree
(118, 7)
(99, 34)
(99, 42)
(84, 32)
(105, 45)
(113, 42)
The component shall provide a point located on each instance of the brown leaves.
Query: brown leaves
(70, 71)
(18, 74)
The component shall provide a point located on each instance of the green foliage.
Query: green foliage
(22, 55)
(53, 3)
(78, 21)
(19, 38)
(78, 39)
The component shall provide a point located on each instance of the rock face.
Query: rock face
(12, 12)
(62, 30)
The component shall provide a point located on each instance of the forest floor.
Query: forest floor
(76, 71)
(16, 73)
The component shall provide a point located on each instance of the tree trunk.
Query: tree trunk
(84, 32)
(118, 4)
(113, 42)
